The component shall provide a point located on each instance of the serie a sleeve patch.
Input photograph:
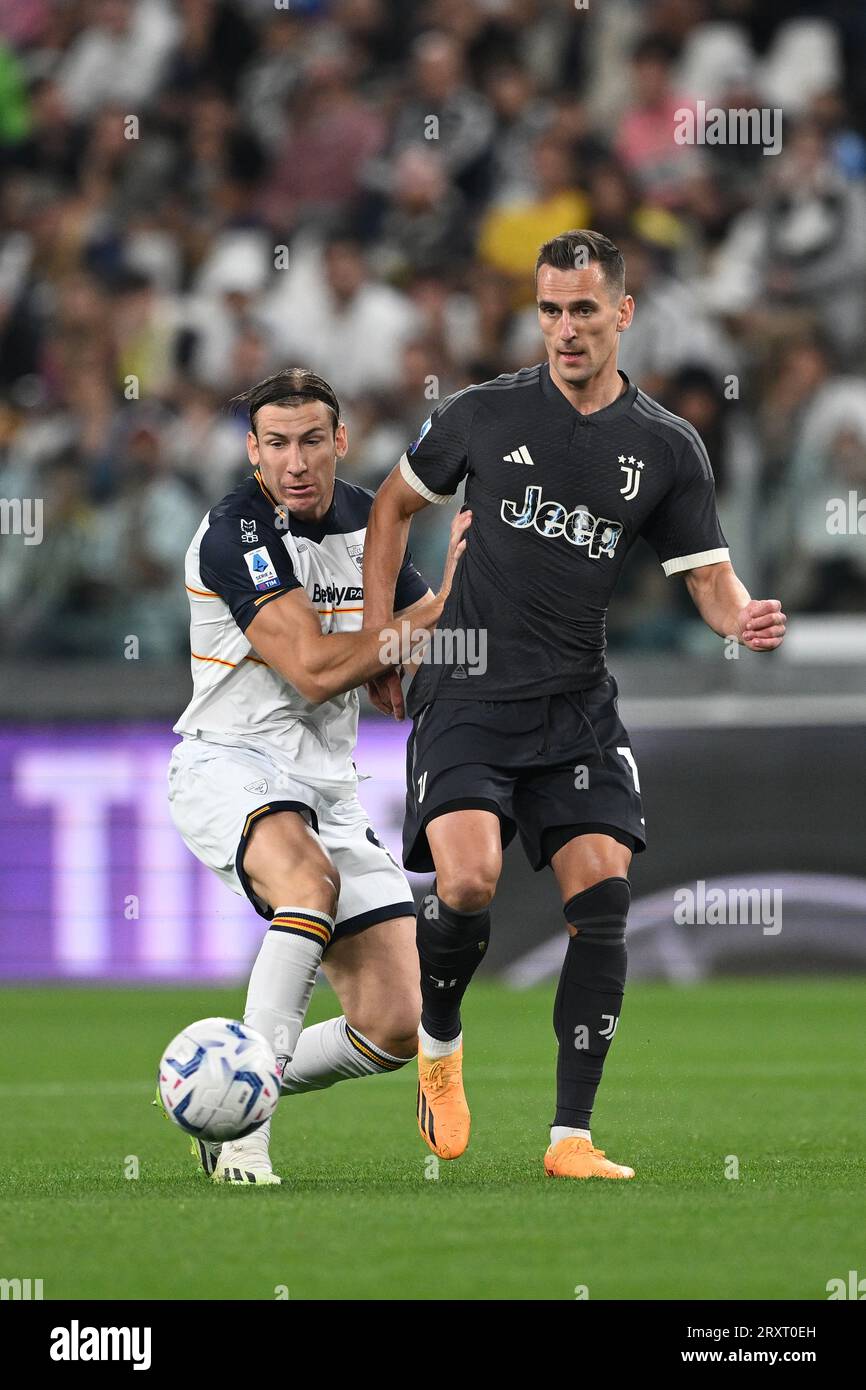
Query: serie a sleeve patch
(261, 567)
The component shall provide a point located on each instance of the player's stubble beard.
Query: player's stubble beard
(307, 509)
(596, 366)
(316, 507)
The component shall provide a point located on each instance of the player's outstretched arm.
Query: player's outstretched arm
(387, 534)
(724, 604)
(287, 634)
(385, 545)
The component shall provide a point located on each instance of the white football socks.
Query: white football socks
(283, 976)
(332, 1051)
(434, 1047)
(257, 1142)
(558, 1132)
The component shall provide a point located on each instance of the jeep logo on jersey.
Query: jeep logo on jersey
(630, 467)
(337, 593)
(578, 527)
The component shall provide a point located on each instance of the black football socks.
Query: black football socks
(589, 996)
(451, 946)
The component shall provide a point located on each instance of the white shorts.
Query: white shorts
(217, 793)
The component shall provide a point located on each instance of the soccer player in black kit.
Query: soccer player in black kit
(565, 464)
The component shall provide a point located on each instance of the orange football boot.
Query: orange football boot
(443, 1115)
(572, 1157)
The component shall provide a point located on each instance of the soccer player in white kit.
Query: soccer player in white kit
(262, 786)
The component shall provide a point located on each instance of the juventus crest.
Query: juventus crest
(631, 468)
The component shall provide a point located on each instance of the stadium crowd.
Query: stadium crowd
(197, 193)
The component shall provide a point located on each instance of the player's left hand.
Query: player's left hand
(385, 693)
(761, 624)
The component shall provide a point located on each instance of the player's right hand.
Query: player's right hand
(761, 624)
(456, 546)
(385, 692)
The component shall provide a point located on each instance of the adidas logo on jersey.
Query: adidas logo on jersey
(521, 455)
(579, 527)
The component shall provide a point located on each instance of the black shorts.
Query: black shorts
(543, 766)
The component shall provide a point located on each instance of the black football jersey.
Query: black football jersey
(557, 500)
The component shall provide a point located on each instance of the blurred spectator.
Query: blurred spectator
(573, 124)
(738, 167)
(715, 55)
(521, 117)
(331, 133)
(378, 35)
(46, 142)
(228, 290)
(805, 57)
(846, 146)
(120, 56)
(442, 106)
(205, 445)
(825, 566)
(267, 85)
(509, 236)
(143, 537)
(382, 424)
(145, 327)
(221, 162)
(644, 142)
(618, 210)
(669, 329)
(795, 370)
(332, 317)
(707, 213)
(215, 42)
(54, 610)
(802, 247)
(424, 227)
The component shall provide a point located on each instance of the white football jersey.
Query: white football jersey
(249, 551)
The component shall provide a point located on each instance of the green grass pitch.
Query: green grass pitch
(768, 1073)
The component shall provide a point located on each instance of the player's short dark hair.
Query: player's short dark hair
(571, 251)
(291, 386)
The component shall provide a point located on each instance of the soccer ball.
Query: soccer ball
(218, 1079)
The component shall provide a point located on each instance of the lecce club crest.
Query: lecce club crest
(356, 552)
(631, 468)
